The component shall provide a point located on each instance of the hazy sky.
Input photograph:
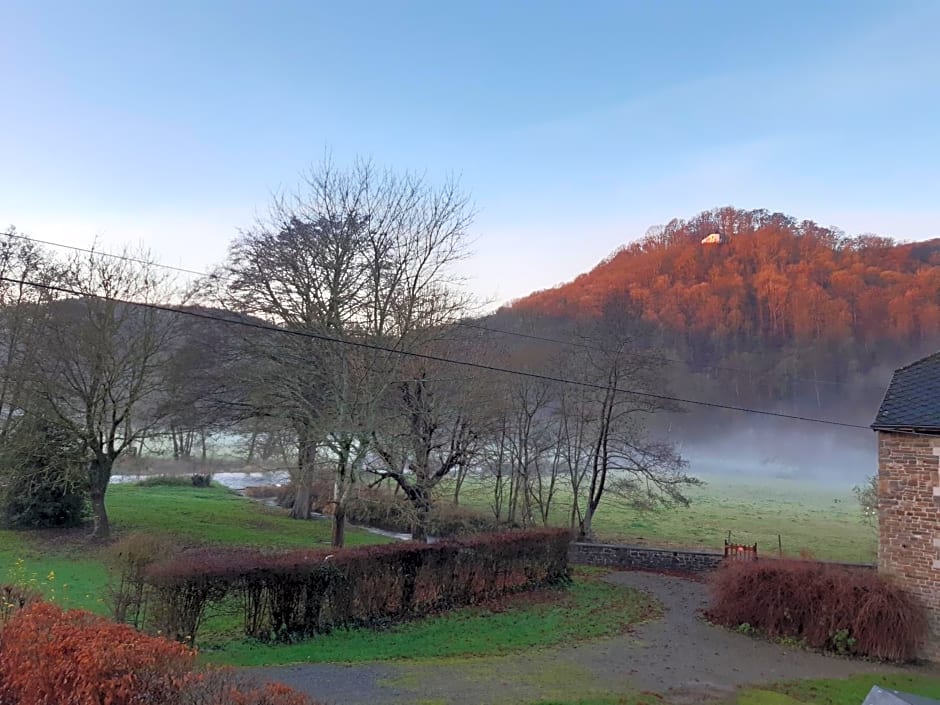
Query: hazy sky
(575, 125)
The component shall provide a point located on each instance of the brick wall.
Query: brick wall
(909, 520)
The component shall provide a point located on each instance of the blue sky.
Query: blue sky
(575, 126)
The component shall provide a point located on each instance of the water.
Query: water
(232, 480)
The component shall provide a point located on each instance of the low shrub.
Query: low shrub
(14, 598)
(263, 491)
(48, 655)
(384, 510)
(45, 486)
(166, 481)
(837, 608)
(225, 686)
(127, 560)
(293, 595)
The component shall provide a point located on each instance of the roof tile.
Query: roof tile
(912, 400)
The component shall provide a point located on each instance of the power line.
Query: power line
(464, 324)
(126, 258)
(425, 356)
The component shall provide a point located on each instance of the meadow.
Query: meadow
(801, 517)
(72, 572)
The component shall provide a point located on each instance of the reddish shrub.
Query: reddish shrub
(226, 687)
(831, 607)
(48, 653)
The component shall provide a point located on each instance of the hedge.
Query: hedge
(286, 596)
(826, 606)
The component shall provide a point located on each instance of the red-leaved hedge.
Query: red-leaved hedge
(49, 655)
(300, 593)
(837, 608)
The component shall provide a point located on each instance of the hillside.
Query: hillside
(787, 300)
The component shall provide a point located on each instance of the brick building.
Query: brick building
(908, 427)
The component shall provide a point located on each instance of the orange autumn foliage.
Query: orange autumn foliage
(771, 278)
(48, 652)
(70, 657)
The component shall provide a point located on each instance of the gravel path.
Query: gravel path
(679, 654)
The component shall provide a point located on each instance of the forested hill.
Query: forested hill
(778, 295)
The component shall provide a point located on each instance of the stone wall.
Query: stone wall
(909, 520)
(616, 555)
(643, 557)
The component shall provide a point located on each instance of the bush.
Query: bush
(14, 598)
(293, 595)
(48, 655)
(383, 510)
(837, 608)
(226, 687)
(127, 561)
(45, 486)
(199, 480)
(166, 481)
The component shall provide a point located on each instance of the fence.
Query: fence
(740, 552)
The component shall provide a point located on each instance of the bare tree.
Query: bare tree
(23, 308)
(361, 258)
(606, 443)
(99, 363)
(431, 428)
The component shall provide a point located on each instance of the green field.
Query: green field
(70, 570)
(807, 518)
(815, 519)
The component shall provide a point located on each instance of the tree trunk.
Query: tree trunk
(339, 525)
(99, 474)
(102, 528)
(303, 480)
(421, 500)
(300, 509)
(585, 531)
(251, 447)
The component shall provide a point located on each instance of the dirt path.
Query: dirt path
(679, 653)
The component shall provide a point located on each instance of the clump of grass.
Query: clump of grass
(851, 691)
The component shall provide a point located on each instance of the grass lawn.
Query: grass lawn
(821, 520)
(847, 691)
(587, 609)
(210, 515)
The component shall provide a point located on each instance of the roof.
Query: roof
(912, 401)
